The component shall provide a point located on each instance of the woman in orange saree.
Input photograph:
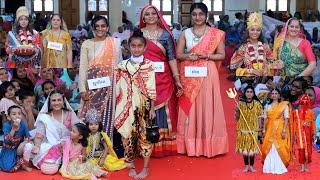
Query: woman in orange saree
(161, 50)
(99, 57)
(201, 120)
(276, 147)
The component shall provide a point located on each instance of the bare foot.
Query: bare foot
(24, 167)
(246, 169)
(132, 172)
(252, 169)
(143, 174)
(302, 168)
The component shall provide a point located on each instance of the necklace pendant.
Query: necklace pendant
(196, 39)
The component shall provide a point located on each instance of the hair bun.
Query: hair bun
(137, 32)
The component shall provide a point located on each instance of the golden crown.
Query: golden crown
(255, 19)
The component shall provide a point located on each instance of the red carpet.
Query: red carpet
(223, 167)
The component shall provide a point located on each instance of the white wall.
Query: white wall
(133, 10)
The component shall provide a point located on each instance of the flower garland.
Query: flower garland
(256, 56)
(25, 37)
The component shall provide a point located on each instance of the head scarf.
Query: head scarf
(63, 23)
(278, 44)
(305, 103)
(162, 23)
(45, 109)
(317, 97)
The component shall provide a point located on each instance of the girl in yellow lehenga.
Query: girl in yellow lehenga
(252, 110)
(276, 144)
(57, 44)
(99, 150)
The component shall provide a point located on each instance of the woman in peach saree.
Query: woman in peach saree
(99, 57)
(201, 121)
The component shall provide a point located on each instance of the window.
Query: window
(42, 5)
(165, 6)
(277, 5)
(98, 6)
(215, 6)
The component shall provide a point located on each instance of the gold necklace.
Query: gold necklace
(151, 35)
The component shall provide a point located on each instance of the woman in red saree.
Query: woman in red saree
(201, 120)
(161, 50)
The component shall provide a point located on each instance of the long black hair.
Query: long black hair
(18, 27)
(203, 7)
(278, 90)
(244, 97)
(84, 132)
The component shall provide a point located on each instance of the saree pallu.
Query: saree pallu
(102, 99)
(201, 120)
(165, 104)
(303, 130)
(294, 60)
(274, 128)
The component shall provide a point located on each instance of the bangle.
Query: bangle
(176, 75)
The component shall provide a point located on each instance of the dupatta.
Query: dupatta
(192, 85)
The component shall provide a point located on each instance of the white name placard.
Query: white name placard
(158, 66)
(55, 46)
(193, 71)
(99, 83)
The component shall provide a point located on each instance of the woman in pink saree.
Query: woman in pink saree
(201, 121)
(161, 51)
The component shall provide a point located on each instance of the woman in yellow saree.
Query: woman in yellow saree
(201, 120)
(276, 145)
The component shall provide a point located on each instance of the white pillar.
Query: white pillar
(83, 10)
(115, 15)
(175, 13)
(28, 4)
(293, 6)
(56, 6)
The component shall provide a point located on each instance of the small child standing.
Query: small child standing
(99, 150)
(73, 165)
(135, 83)
(15, 132)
